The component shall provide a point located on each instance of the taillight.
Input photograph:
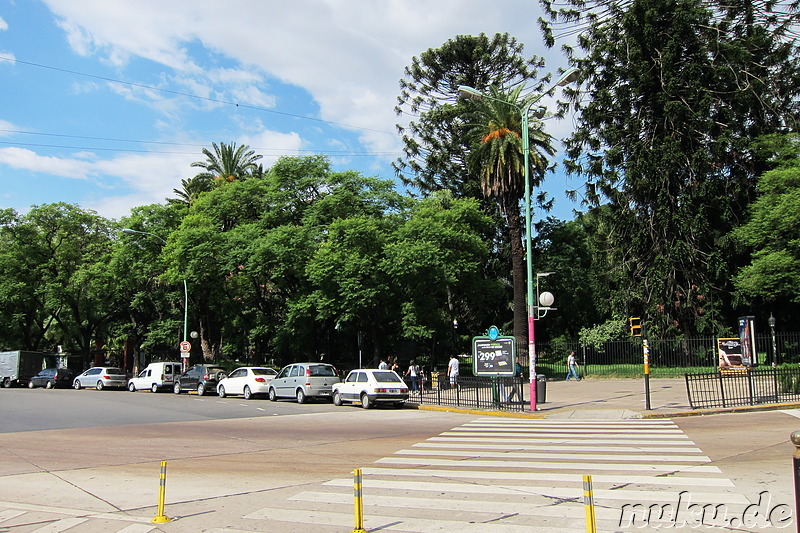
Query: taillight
(308, 371)
(380, 390)
(261, 380)
(403, 390)
(206, 376)
(106, 377)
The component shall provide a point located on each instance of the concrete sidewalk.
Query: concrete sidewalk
(613, 398)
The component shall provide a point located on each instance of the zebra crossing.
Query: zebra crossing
(506, 475)
(489, 475)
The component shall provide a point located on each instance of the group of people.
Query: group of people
(415, 375)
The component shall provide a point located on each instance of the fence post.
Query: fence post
(358, 502)
(161, 518)
(796, 470)
(588, 503)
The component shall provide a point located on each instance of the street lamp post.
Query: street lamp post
(185, 286)
(568, 77)
(771, 321)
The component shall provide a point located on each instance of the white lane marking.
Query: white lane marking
(561, 466)
(546, 448)
(793, 412)
(398, 523)
(571, 430)
(60, 525)
(8, 514)
(526, 490)
(75, 512)
(563, 440)
(566, 456)
(543, 476)
(137, 528)
(530, 421)
(567, 509)
(586, 436)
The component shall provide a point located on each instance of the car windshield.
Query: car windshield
(264, 372)
(114, 371)
(321, 370)
(387, 377)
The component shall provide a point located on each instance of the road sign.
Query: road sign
(186, 346)
(493, 357)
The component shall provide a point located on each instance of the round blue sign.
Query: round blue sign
(494, 332)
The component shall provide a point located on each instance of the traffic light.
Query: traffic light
(636, 326)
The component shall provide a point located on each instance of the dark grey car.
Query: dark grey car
(52, 378)
(202, 378)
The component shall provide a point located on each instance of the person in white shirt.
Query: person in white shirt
(452, 370)
(383, 365)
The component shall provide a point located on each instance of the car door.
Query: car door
(142, 381)
(286, 385)
(348, 388)
(234, 384)
(190, 378)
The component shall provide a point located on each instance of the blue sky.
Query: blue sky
(105, 103)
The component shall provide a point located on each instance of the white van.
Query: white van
(155, 376)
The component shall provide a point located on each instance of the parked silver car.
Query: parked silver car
(101, 377)
(302, 381)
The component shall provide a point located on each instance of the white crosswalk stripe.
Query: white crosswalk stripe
(508, 475)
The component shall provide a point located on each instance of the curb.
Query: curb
(481, 412)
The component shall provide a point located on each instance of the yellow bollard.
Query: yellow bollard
(588, 502)
(162, 491)
(359, 504)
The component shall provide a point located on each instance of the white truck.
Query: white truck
(18, 367)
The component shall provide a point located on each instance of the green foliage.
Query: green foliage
(598, 335)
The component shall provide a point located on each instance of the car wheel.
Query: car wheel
(154, 388)
(131, 387)
(247, 393)
(272, 395)
(7, 383)
(76, 385)
(301, 396)
(221, 391)
(337, 398)
(176, 388)
(48, 385)
(201, 390)
(220, 376)
(31, 385)
(99, 385)
(365, 401)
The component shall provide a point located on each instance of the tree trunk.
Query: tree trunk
(511, 210)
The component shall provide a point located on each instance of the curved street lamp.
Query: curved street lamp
(185, 287)
(570, 76)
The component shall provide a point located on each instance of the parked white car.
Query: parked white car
(247, 381)
(101, 377)
(155, 376)
(369, 386)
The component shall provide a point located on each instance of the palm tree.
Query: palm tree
(496, 157)
(191, 189)
(229, 163)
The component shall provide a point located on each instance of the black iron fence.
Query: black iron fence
(503, 393)
(625, 356)
(742, 387)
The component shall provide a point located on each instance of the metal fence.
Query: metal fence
(689, 353)
(742, 387)
(503, 393)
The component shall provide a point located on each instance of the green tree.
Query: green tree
(497, 158)
(673, 94)
(228, 163)
(435, 145)
(772, 232)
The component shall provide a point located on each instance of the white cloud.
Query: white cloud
(3, 24)
(24, 159)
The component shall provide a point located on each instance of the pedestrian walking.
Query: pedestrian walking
(572, 367)
(383, 365)
(413, 375)
(452, 370)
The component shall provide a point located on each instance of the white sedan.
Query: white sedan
(247, 381)
(369, 386)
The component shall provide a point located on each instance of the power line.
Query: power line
(189, 95)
